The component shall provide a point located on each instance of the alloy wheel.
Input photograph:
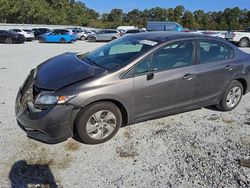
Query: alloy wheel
(101, 125)
(234, 97)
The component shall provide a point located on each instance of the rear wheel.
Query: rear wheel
(98, 123)
(92, 39)
(8, 41)
(231, 97)
(62, 40)
(244, 43)
(114, 38)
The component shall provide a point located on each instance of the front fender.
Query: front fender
(127, 102)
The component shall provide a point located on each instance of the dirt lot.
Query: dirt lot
(193, 149)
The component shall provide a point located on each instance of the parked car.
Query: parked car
(9, 37)
(133, 79)
(40, 31)
(58, 36)
(104, 35)
(28, 34)
(163, 26)
(241, 38)
(83, 34)
(133, 31)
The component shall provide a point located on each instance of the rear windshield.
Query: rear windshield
(118, 53)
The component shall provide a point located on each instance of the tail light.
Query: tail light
(233, 35)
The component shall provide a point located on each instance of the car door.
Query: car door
(65, 35)
(101, 35)
(215, 70)
(168, 83)
(54, 37)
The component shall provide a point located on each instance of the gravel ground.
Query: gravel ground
(194, 149)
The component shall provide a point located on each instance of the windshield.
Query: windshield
(118, 53)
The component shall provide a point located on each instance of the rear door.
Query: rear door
(165, 80)
(215, 70)
(101, 35)
(108, 35)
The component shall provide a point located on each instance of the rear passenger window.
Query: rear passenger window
(212, 52)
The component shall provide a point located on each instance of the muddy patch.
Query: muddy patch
(72, 145)
(227, 120)
(127, 133)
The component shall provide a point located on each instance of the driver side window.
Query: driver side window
(175, 55)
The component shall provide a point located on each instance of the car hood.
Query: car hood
(63, 70)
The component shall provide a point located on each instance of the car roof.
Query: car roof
(162, 36)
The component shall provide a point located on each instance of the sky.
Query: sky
(103, 6)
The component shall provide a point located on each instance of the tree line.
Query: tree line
(71, 12)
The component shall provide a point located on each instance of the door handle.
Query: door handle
(189, 76)
(150, 76)
(228, 68)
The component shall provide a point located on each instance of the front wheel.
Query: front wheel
(8, 41)
(98, 123)
(231, 97)
(83, 37)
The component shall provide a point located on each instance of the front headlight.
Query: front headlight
(48, 98)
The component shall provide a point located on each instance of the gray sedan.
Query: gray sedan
(133, 79)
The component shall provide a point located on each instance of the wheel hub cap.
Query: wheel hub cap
(233, 97)
(101, 125)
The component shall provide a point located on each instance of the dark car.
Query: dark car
(133, 79)
(9, 37)
(40, 31)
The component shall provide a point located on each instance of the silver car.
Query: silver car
(104, 35)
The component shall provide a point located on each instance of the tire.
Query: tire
(234, 89)
(41, 40)
(91, 126)
(92, 39)
(62, 40)
(114, 38)
(83, 38)
(244, 42)
(8, 41)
